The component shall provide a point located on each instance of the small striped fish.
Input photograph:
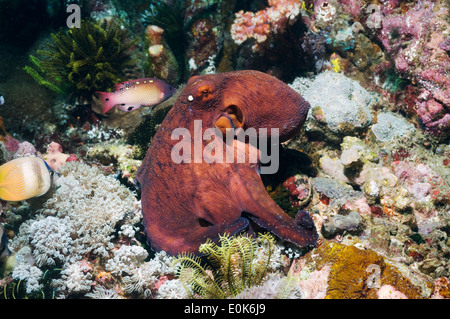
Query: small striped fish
(24, 178)
(131, 95)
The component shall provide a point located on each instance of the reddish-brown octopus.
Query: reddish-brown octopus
(186, 203)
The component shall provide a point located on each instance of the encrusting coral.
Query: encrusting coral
(353, 272)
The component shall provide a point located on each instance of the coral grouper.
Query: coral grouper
(186, 202)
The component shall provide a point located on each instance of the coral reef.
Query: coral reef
(264, 23)
(162, 63)
(338, 263)
(66, 231)
(344, 108)
(389, 126)
(414, 41)
(124, 155)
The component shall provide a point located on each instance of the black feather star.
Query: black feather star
(79, 61)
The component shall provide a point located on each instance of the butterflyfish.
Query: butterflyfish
(24, 178)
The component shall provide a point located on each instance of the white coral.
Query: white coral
(51, 240)
(128, 230)
(325, 12)
(275, 286)
(31, 274)
(166, 262)
(26, 271)
(276, 258)
(143, 278)
(93, 205)
(77, 277)
(101, 292)
(81, 219)
(172, 289)
(126, 260)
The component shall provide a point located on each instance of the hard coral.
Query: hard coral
(416, 43)
(422, 182)
(162, 63)
(264, 23)
(55, 157)
(356, 273)
(339, 102)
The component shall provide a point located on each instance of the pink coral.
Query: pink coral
(435, 117)
(420, 180)
(441, 288)
(55, 157)
(11, 144)
(25, 149)
(390, 292)
(417, 46)
(351, 6)
(388, 6)
(316, 284)
(262, 24)
(359, 204)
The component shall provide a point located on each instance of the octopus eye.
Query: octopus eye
(205, 92)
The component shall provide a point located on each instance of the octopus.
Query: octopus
(185, 203)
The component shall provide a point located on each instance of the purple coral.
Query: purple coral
(25, 149)
(262, 24)
(351, 6)
(418, 48)
(435, 117)
(421, 181)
